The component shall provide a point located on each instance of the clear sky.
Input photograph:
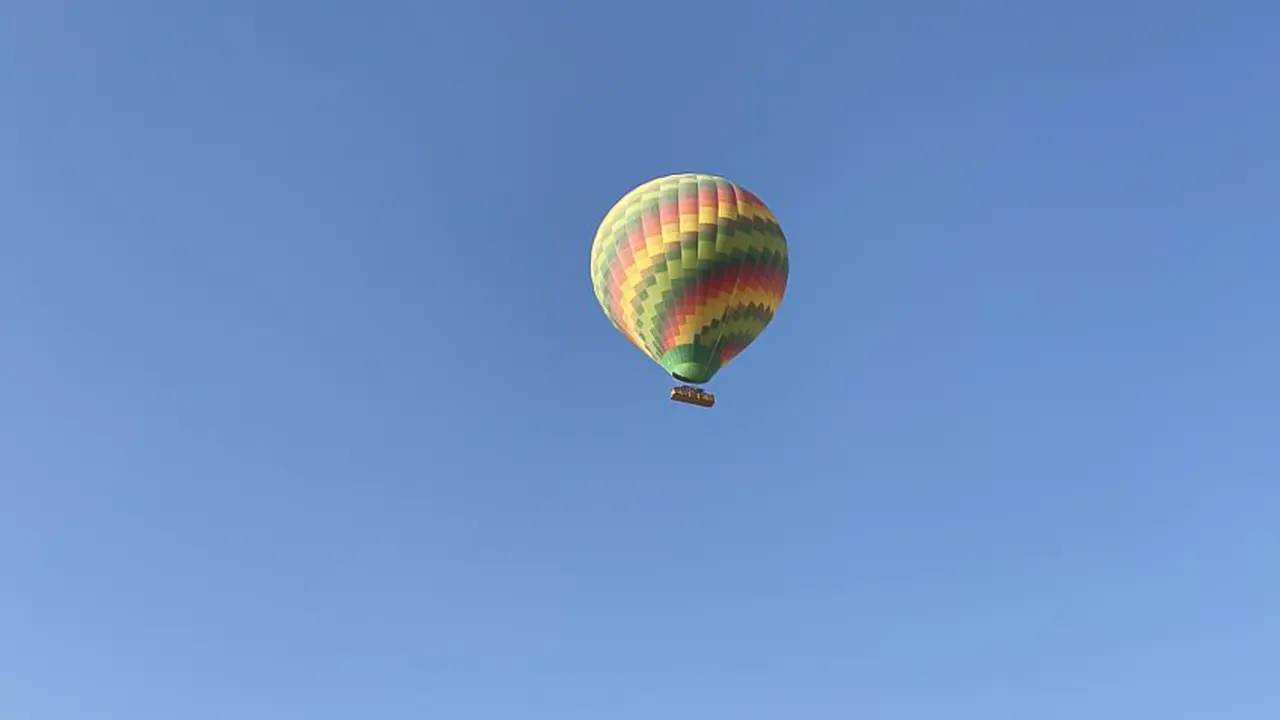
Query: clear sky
(307, 411)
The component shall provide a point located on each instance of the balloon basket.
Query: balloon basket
(692, 396)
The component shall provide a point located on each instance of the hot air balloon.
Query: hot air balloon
(690, 268)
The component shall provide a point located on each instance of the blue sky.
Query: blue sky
(307, 410)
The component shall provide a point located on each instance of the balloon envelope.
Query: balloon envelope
(691, 268)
